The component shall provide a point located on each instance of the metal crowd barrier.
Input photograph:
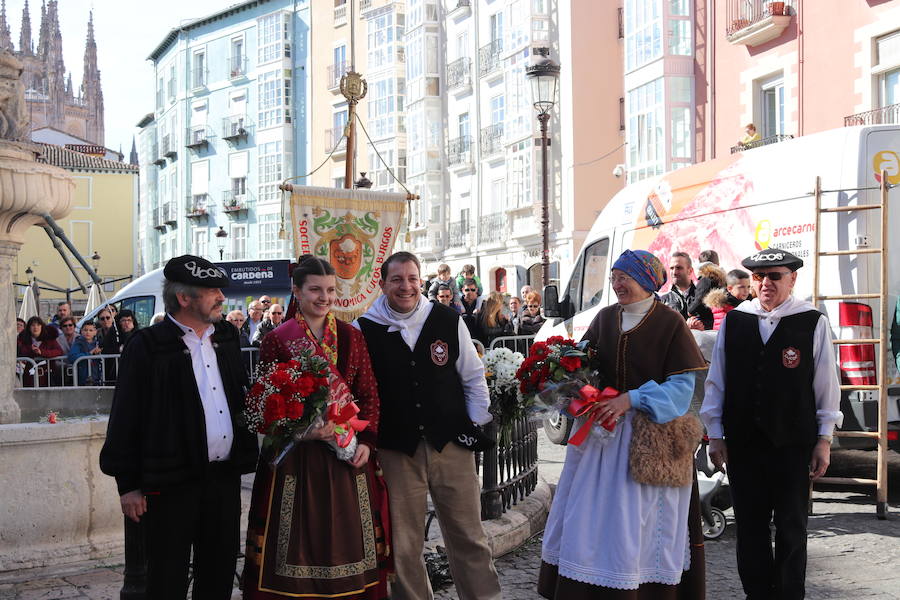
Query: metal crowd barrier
(516, 343)
(99, 370)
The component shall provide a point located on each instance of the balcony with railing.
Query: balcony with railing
(336, 140)
(197, 206)
(168, 147)
(459, 74)
(459, 151)
(458, 234)
(158, 159)
(199, 79)
(237, 67)
(158, 220)
(772, 139)
(492, 228)
(886, 115)
(489, 58)
(236, 128)
(234, 202)
(340, 15)
(492, 139)
(169, 214)
(198, 137)
(335, 72)
(754, 22)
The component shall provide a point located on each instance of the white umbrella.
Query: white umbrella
(93, 300)
(29, 305)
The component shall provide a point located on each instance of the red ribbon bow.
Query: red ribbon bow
(345, 418)
(590, 400)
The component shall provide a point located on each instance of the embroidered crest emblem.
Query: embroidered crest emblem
(790, 357)
(440, 353)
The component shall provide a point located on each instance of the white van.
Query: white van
(249, 281)
(753, 200)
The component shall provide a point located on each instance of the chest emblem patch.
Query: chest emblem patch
(790, 357)
(440, 353)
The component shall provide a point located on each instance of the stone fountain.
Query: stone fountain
(28, 190)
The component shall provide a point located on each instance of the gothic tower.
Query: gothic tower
(5, 34)
(25, 46)
(91, 92)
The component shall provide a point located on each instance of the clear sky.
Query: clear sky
(126, 32)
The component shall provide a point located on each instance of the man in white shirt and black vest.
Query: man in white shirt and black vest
(173, 442)
(771, 404)
(433, 392)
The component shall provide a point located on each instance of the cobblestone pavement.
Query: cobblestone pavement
(851, 553)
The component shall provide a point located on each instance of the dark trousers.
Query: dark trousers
(767, 481)
(203, 515)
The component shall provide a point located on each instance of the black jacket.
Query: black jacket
(156, 435)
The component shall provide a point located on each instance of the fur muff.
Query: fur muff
(716, 298)
(663, 454)
(715, 273)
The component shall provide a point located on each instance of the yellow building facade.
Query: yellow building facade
(103, 219)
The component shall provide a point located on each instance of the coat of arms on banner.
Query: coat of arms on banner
(355, 231)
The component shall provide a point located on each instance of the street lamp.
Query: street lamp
(221, 234)
(543, 72)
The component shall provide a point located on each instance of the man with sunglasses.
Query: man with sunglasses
(771, 404)
(272, 320)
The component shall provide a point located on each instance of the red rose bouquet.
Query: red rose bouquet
(288, 400)
(557, 376)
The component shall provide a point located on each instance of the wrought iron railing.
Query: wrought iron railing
(458, 234)
(492, 228)
(236, 127)
(198, 136)
(459, 150)
(238, 66)
(335, 139)
(491, 139)
(459, 73)
(772, 139)
(169, 214)
(197, 206)
(741, 14)
(335, 72)
(509, 471)
(235, 202)
(886, 115)
(489, 57)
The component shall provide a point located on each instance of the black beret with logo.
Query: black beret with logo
(772, 257)
(193, 270)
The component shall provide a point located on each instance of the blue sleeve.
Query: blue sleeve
(665, 401)
(76, 352)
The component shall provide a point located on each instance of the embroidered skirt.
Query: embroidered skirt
(316, 529)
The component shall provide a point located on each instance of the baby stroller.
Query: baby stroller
(715, 494)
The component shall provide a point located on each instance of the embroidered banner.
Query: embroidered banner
(355, 231)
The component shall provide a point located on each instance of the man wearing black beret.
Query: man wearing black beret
(173, 443)
(771, 404)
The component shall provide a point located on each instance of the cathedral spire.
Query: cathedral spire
(91, 92)
(25, 45)
(133, 157)
(5, 35)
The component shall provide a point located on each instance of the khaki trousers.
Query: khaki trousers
(455, 491)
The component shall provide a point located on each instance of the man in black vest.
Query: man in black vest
(432, 389)
(772, 402)
(173, 443)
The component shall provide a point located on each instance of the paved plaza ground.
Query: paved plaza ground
(851, 553)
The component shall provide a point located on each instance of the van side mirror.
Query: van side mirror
(551, 301)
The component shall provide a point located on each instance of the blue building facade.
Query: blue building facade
(230, 123)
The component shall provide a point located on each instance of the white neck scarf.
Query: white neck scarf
(408, 324)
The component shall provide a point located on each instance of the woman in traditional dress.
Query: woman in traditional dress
(607, 536)
(318, 526)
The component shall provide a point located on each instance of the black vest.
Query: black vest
(769, 387)
(420, 391)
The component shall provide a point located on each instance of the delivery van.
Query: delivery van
(249, 280)
(749, 201)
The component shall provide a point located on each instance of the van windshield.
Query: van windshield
(589, 277)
